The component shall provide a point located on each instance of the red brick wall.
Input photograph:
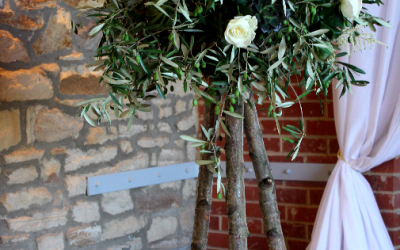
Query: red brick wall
(299, 201)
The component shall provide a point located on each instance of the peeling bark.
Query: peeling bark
(266, 184)
(236, 202)
(204, 190)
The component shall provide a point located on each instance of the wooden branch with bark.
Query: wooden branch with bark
(204, 190)
(236, 202)
(266, 184)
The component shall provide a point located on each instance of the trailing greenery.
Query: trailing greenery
(149, 48)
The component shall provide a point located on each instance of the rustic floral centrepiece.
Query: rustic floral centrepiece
(228, 52)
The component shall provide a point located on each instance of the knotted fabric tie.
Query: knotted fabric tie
(340, 157)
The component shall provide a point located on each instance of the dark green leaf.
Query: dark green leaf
(114, 99)
(160, 91)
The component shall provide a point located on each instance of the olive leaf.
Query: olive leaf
(191, 139)
(233, 114)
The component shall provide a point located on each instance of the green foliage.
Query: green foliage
(147, 45)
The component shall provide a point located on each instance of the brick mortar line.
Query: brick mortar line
(390, 210)
(382, 174)
(386, 192)
(289, 187)
(254, 234)
(313, 118)
(288, 204)
(307, 136)
(298, 222)
(274, 153)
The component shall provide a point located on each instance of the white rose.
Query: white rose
(241, 31)
(351, 8)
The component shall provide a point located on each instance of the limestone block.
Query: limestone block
(161, 227)
(25, 199)
(28, 84)
(39, 221)
(121, 227)
(51, 241)
(10, 133)
(57, 34)
(12, 49)
(84, 236)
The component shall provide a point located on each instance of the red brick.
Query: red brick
(333, 146)
(330, 110)
(308, 145)
(317, 127)
(253, 210)
(268, 126)
(279, 158)
(221, 143)
(312, 109)
(295, 91)
(224, 223)
(251, 182)
(383, 182)
(257, 242)
(282, 211)
(392, 166)
(391, 219)
(200, 108)
(310, 229)
(302, 214)
(251, 193)
(218, 239)
(316, 196)
(313, 96)
(218, 207)
(297, 244)
(395, 236)
(322, 159)
(246, 157)
(291, 195)
(262, 107)
(296, 78)
(245, 146)
(305, 184)
(223, 157)
(388, 201)
(223, 180)
(272, 144)
(294, 230)
(255, 226)
(214, 222)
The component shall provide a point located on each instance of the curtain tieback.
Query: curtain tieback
(340, 157)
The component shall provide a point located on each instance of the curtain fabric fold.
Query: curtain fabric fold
(368, 131)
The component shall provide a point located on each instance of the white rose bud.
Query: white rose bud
(351, 8)
(241, 31)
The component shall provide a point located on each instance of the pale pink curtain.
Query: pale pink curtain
(368, 130)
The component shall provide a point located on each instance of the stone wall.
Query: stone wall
(46, 151)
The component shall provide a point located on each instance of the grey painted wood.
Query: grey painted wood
(292, 171)
(140, 178)
(156, 175)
